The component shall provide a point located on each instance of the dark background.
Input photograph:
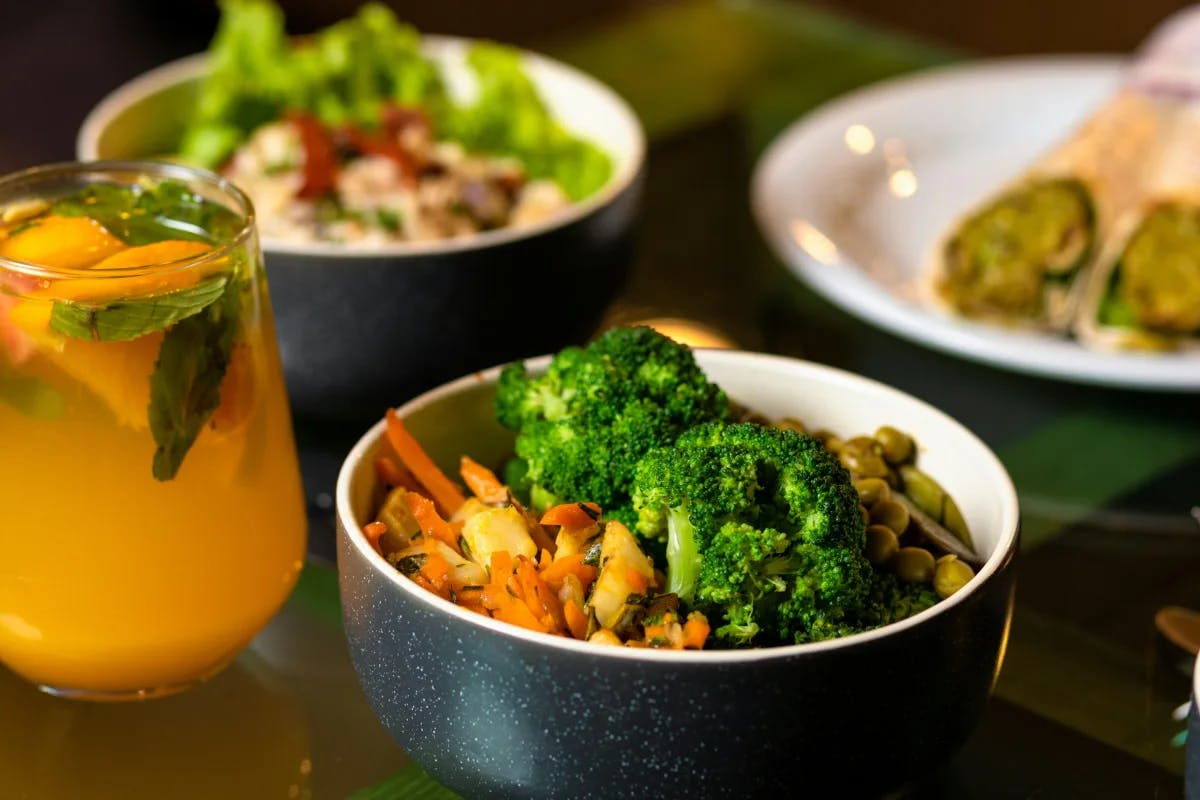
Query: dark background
(59, 57)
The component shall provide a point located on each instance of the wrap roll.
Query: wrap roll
(1144, 293)
(1023, 256)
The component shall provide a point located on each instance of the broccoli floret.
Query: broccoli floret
(583, 425)
(891, 600)
(763, 532)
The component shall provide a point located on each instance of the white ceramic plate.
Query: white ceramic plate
(853, 197)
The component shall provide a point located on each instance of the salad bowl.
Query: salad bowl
(360, 325)
(496, 711)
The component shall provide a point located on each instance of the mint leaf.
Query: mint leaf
(123, 320)
(151, 211)
(185, 388)
(32, 397)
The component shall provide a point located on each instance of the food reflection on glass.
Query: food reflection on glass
(354, 135)
(1100, 237)
(144, 417)
(643, 509)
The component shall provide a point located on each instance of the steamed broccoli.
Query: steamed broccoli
(763, 532)
(583, 426)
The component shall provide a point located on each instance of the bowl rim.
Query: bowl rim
(1004, 551)
(624, 175)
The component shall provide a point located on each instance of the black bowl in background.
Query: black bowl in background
(359, 328)
(494, 711)
(359, 334)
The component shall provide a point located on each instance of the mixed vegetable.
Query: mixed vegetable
(352, 135)
(641, 508)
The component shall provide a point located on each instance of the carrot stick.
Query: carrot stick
(511, 610)
(501, 567)
(539, 597)
(431, 524)
(482, 482)
(440, 488)
(392, 474)
(436, 570)
(577, 621)
(569, 565)
(572, 516)
(374, 531)
(637, 581)
(695, 631)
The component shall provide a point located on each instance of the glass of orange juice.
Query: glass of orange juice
(151, 513)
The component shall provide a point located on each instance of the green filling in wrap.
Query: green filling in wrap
(1001, 260)
(1158, 279)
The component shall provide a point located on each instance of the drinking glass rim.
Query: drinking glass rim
(157, 169)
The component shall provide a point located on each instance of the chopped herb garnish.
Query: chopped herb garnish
(411, 565)
(388, 220)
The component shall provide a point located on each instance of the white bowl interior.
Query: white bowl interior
(144, 119)
(456, 419)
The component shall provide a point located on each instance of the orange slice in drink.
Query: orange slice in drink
(135, 286)
(238, 394)
(61, 243)
(119, 372)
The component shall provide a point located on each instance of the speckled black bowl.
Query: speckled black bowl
(359, 328)
(1192, 780)
(496, 711)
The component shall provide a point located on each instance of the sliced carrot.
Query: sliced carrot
(429, 520)
(637, 581)
(577, 621)
(482, 482)
(440, 488)
(436, 570)
(374, 531)
(392, 474)
(569, 565)
(544, 560)
(695, 631)
(510, 610)
(572, 515)
(539, 597)
(501, 567)
(468, 595)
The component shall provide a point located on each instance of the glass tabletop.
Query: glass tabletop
(1107, 481)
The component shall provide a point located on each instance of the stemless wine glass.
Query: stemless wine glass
(151, 512)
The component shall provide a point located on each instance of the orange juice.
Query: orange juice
(151, 514)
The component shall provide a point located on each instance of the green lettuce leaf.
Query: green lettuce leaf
(345, 74)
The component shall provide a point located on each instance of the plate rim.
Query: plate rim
(927, 327)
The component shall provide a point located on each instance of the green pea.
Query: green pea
(952, 519)
(890, 513)
(882, 544)
(831, 441)
(861, 456)
(950, 575)
(913, 565)
(866, 515)
(923, 490)
(897, 446)
(871, 490)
